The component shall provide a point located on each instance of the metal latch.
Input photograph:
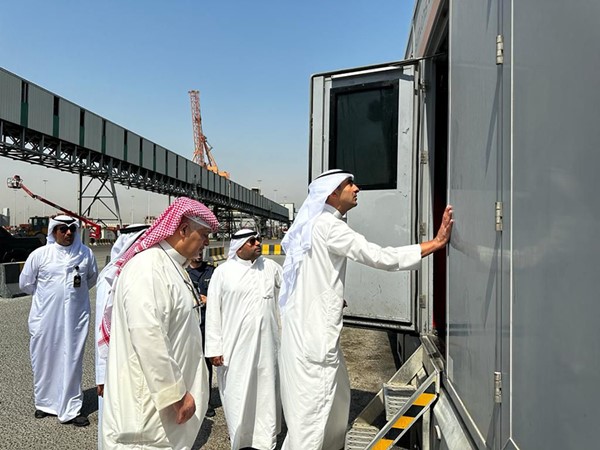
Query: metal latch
(422, 301)
(424, 157)
(498, 215)
(499, 49)
(422, 229)
(497, 387)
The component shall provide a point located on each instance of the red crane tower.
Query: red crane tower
(202, 149)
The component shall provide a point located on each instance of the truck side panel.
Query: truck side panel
(556, 128)
(473, 177)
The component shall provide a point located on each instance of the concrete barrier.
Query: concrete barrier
(272, 249)
(216, 254)
(9, 279)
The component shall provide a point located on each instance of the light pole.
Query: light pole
(44, 207)
(275, 195)
(259, 186)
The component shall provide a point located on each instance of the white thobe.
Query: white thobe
(242, 326)
(103, 288)
(58, 324)
(315, 388)
(155, 355)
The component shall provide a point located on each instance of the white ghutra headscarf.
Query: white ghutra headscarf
(298, 240)
(72, 250)
(238, 240)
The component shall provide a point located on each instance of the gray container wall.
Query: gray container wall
(93, 131)
(473, 182)
(40, 109)
(182, 168)
(211, 181)
(115, 141)
(68, 123)
(204, 177)
(10, 97)
(133, 148)
(147, 154)
(556, 157)
(194, 172)
(160, 156)
(171, 164)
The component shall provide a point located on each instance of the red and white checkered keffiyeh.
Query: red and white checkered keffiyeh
(162, 228)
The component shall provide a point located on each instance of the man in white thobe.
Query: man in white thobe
(156, 384)
(314, 379)
(242, 337)
(127, 236)
(59, 275)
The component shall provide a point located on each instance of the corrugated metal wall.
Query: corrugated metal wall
(10, 97)
(92, 131)
(160, 158)
(171, 164)
(68, 123)
(40, 111)
(147, 154)
(133, 148)
(193, 172)
(115, 141)
(181, 168)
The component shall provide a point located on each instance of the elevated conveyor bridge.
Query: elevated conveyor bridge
(40, 127)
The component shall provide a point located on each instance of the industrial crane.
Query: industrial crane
(202, 149)
(17, 183)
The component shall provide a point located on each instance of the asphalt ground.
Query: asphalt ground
(368, 357)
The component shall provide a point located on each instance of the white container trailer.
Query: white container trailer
(497, 111)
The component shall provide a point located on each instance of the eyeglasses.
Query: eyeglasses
(253, 240)
(63, 228)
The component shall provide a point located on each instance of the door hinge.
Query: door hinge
(498, 216)
(422, 301)
(424, 157)
(499, 49)
(422, 229)
(423, 86)
(497, 387)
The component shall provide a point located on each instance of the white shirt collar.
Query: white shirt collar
(330, 209)
(174, 254)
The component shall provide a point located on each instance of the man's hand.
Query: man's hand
(443, 235)
(184, 408)
(217, 360)
(100, 390)
(203, 299)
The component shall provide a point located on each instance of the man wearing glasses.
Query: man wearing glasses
(59, 275)
(242, 337)
(156, 383)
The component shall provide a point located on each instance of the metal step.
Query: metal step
(359, 437)
(402, 401)
(395, 398)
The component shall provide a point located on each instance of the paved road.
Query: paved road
(367, 355)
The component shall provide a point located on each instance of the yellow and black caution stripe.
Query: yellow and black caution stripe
(272, 249)
(406, 420)
(216, 254)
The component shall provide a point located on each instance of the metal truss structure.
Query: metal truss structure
(23, 144)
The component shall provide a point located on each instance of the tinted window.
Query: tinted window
(364, 133)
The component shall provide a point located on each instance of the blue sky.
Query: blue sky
(134, 62)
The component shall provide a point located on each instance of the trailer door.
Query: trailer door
(363, 121)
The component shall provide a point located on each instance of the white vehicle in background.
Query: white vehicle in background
(496, 110)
